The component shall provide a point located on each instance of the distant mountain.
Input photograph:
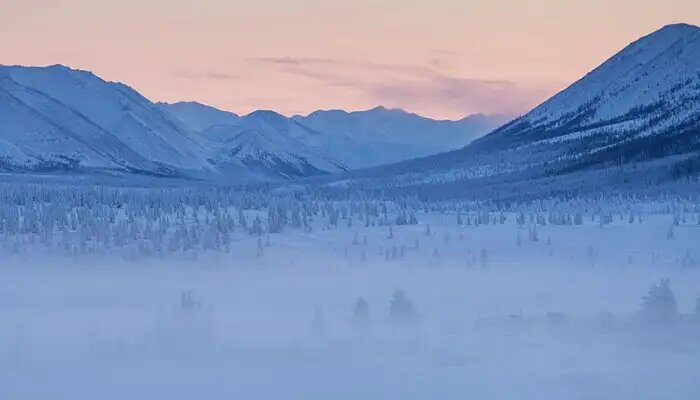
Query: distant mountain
(59, 118)
(380, 136)
(265, 143)
(640, 106)
(352, 140)
(326, 141)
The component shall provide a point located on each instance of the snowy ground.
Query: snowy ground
(275, 320)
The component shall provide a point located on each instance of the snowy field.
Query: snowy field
(504, 310)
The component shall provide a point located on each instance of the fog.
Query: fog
(534, 321)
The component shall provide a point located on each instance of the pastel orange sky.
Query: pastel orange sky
(440, 58)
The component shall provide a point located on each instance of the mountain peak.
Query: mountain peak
(265, 114)
(384, 109)
(680, 27)
(661, 39)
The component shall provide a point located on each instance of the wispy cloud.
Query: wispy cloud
(311, 62)
(415, 87)
(210, 75)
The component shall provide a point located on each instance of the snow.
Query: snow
(197, 116)
(63, 118)
(265, 137)
(109, 119)
(379, 136)
(118, 328)
(642, 73)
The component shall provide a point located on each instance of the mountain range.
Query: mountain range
(328, 140)
(60, 119)
(638, 111)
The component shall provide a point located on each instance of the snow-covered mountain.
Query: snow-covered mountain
(647, 93)
(640, 107)
(380, 136)
(59, 118)
(197, 116)
(56, 118)
(326, 141)
(265, 143)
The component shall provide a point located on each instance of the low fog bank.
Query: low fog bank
(156, 331)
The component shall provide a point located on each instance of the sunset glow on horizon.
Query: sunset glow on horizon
(441, 58)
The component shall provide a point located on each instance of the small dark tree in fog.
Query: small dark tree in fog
(401, 309)
(360, 314)
(659, 305)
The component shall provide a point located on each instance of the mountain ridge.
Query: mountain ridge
(640, 105)
(56, 118)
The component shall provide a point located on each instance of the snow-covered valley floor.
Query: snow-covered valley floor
(485, 312)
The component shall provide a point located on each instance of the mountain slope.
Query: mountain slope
(198, 117)
(380, 136)
(262, 145)
(652, 87)
(264, 142)
(641, 105)
(50, 135)
(56, 116)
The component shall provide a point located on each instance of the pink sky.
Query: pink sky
(440, 58)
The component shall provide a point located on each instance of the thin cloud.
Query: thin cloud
(310, 62)
(210, 75)
(293, 60)
(444, 52)
(416, 87)
(458, 95)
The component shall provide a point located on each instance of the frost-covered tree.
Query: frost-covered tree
(241, 219)
(257, 228)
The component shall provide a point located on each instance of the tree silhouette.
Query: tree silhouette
(659, 305)
(401, 309)
(360, 314)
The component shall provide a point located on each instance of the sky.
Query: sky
(439, 58)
